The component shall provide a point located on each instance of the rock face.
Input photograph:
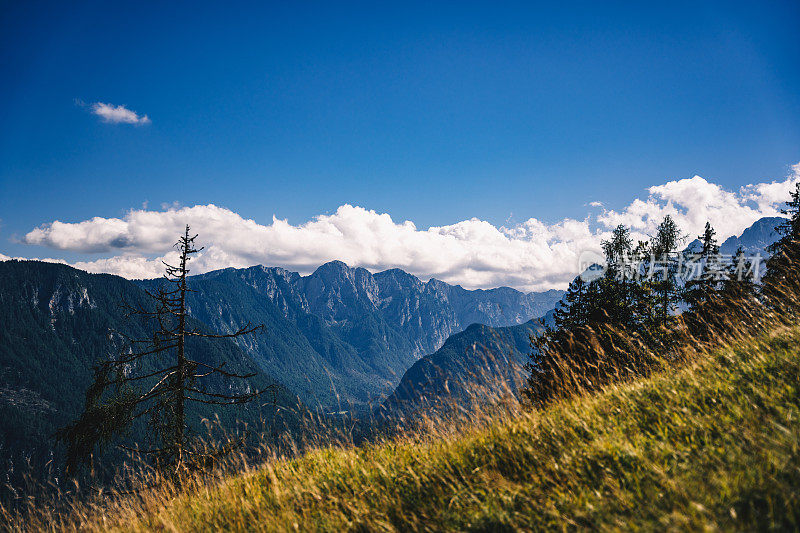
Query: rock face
(755, 239)
(344, 335)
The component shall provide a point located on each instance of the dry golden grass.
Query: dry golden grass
(704, 437)
(712, 445)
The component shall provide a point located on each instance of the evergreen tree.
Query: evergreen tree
(156, 378)
(740, 282)
(663, 268)
(711, 271)
(617, 286)
(785, 252)
(643, 296)
(573, 311)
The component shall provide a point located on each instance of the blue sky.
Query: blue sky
(432, 113)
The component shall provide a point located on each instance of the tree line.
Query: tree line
(630, 317)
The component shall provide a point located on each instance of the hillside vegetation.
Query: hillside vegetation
(477, 358)
(638, 418)
(714, 444)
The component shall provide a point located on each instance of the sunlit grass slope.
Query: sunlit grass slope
(712, 445)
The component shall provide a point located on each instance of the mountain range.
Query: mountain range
(342, 337)
(753, 240)
(478, 361)
(338, 336)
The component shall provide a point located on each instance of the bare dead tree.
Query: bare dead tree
(156, 378)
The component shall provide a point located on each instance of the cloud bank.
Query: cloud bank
(118, 114)
(531, 255)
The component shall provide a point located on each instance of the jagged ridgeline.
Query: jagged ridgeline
(342, 338)
(338, 336)
(57, 322)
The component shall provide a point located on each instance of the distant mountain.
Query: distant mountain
(753, 240)
(342, 336)
(468, 363)
(56, 323)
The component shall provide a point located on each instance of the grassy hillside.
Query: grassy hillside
(711, 445)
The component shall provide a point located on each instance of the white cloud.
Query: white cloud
(472, 252)
(531, 255)
(596, 204)
(118, 114)
(693, 201)
(765, 195)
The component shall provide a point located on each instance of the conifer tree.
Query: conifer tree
(617, 285)
(571, 310)
(785, 252)
(643, 296)
(707, 279)
(740, 282)
(664, 246)
(156, 379)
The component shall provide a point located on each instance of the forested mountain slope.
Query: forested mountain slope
(342, 337)
(56, 323)
(477, 358)
(480, 354)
